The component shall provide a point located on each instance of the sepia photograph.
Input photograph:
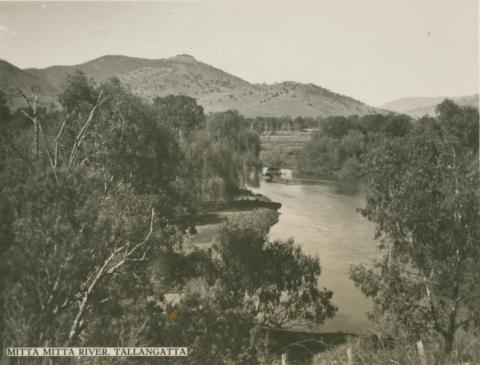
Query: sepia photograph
(239, 182)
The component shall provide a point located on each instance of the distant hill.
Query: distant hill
(214, 89)
(13, 79)
(418, 107)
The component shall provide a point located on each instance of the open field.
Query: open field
(281, 148)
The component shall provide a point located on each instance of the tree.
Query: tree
(78, 92)
(4, 109)
(338, 147)
(396, 125)
(274, 281)
(228, 153)
(5, 117)
(74, 242)
(233, 295)
(423, 195)
(180, 112)
(78, 235)
(462, 122)
(336, 127)
(91, 196)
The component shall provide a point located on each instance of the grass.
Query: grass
(303, 348)
(367, 352)
(281, 149)
(212, 216)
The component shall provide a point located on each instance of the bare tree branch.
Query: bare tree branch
(81, 134)
(59, 135)
(100, 273)
(74, 330)
(129, 253)
(47, 149)
(33, 117)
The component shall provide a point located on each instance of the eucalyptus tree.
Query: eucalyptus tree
(423, 195)
(83, 214)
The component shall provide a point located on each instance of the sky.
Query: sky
(373, 50)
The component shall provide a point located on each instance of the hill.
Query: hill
(13, 80)
(417, 107)
(214, 89)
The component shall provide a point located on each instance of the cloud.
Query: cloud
(7, 30)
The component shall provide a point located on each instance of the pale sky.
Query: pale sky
(372, 50)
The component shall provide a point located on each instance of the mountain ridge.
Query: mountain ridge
(214, 89)
(425, 105)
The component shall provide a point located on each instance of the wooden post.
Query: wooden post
(421, 353)
(284, 359)
(349, 355)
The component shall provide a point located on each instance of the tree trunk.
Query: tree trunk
(449, 339)
(452, 325)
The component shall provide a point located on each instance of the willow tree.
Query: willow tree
(228, 153)
(423, 195)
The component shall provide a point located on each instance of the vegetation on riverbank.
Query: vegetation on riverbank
(423, 195)
(380, 351)
(280, 149)
(96, 199)
(339, 146)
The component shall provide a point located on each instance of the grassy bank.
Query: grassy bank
(303, 348)
(211, 216)
(281, 149)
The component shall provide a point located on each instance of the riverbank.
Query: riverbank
(211, 216)
(281, 148)
(300, 342)
(322, 217)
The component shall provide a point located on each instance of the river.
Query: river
(321, 216)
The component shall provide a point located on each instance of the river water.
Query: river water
(321, 216)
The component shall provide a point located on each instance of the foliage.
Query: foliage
(94, 201)
(377, 350)
(232, 295)
(78, 92)
(76, 238)
(213, 334)
(228, 154)
(62, 233)
(423, 196)
(339, 146)
(181, 112)
(272, 124)
(4, 109)
(136, 146)
(275, 281)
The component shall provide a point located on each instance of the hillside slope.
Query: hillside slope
(13, 80)
(214, 89)
(417, 107)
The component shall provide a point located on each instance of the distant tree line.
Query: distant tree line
(272, 124)
(339, 145)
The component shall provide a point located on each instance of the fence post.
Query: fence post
(421, 353)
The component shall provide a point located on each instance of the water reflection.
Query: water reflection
(345, 187)
(322, 216)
